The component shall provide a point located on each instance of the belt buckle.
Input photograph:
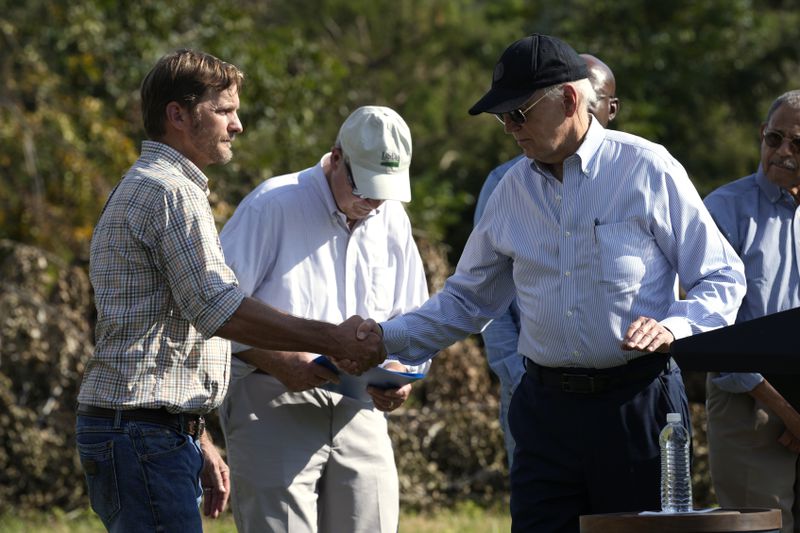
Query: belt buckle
(196, 428)
(579, 383)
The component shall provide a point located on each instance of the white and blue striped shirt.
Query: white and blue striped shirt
(585, 257)
(501, 336)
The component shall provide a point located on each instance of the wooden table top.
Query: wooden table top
(718, 521)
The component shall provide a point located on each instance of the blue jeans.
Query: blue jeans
(141, 476)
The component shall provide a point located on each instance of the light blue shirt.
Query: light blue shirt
(501, 336)
(585, 257)
(762, 222)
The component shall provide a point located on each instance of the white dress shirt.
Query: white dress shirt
(290, 247)
(585, 257)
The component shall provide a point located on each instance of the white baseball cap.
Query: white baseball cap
(376, 142)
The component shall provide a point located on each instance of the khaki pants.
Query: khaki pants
(749, 467)
(312, 461)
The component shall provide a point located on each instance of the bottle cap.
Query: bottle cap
(673, 417)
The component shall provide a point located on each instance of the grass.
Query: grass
(465, 518)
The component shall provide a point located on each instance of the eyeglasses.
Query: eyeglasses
(350, 179)
(611, 99)
(517, 116)
(774, 139)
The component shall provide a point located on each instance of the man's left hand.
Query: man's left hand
(388, 400)
(647, 335)
(791, 442)
(214, 478)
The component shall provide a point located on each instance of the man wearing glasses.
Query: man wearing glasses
(500, 338)
(753, 420)
(588, 233)
(332, 240)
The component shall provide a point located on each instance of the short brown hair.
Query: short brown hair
(183, 76)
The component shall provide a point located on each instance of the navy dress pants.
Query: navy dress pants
(588, 453)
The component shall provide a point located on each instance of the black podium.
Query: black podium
(769, 344)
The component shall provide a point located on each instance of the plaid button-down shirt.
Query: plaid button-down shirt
(162, 289)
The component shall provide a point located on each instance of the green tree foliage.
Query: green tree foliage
(696, 76)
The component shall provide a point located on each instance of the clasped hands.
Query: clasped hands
(358, 345)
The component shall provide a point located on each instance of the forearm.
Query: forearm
(261, 326)
(765, 393)
(265, 360)
(416, 336)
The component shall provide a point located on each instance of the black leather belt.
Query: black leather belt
(192, 424)
(590, 380)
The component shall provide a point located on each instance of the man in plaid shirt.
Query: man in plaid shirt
(164, 298)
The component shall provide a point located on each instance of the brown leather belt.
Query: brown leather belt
(592, 380)
(192, 424)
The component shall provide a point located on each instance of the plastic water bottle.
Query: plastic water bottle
(676, 480)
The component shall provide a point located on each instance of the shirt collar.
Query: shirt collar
(322, 187)
(586, 151)
(591, 145)
(154, 151)
(772, 192)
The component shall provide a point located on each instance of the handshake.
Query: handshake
(357, 345)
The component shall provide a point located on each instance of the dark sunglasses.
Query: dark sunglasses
(517, 116)
(774, 139)
(350, 179)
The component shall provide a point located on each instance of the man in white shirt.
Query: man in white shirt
(330, 241)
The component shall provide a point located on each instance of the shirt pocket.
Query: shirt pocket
(382, 289)
(623, 249)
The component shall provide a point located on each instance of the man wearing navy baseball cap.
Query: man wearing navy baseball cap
(532, 63)
(500, 338)
(589, 232)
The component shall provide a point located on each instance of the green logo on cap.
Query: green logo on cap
(390, 159)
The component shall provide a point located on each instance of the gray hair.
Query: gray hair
(583, 87)
(790, 98)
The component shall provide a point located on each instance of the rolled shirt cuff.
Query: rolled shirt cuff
(737, 381)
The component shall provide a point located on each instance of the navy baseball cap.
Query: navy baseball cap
(529, 64)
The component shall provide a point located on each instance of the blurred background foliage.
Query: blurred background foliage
(694, 75)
